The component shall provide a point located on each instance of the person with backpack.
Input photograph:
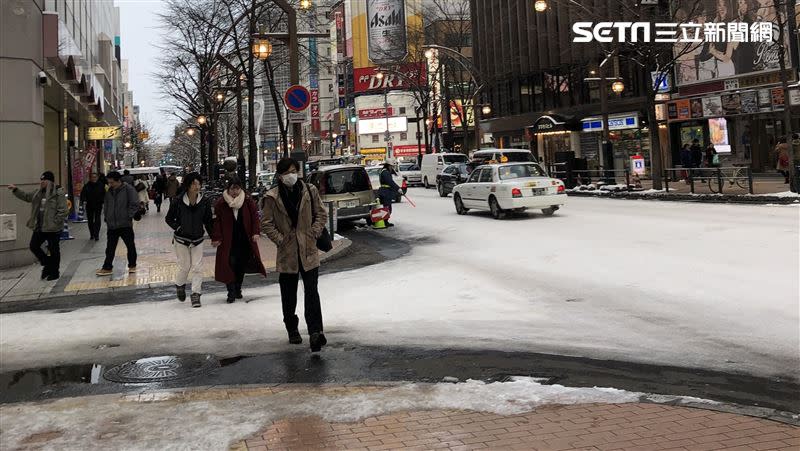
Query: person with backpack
(122, 207)
(190, 217)
(236, 232)
(48, 212)
(294, 219)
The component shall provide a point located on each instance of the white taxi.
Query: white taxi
(509, 187)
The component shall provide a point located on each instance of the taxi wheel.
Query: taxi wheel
(549, 211)
(440, 188)
(460, 208)
(494, 207)
(425, 183)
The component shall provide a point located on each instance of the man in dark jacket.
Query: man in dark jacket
(160, 187)
(190, 217)
(48, 212)
(127, 177)
(697, 154)
(122, 204)
(389, 189)
(93, 194)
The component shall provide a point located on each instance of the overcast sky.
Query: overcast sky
(140, 35)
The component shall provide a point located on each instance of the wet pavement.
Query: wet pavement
(365, 248)
(343, 364)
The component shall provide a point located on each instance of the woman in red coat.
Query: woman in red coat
(235, 235)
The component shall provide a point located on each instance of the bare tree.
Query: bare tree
(185, 148)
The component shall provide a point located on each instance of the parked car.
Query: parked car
(375, 179)
(348, 188)
(412, 174)
(434, 163)
(509, 187)
(451, 176)
(489, 156)
(267, 178)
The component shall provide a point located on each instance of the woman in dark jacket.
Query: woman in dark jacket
(236, 232)
(293, 219)
(188, 215)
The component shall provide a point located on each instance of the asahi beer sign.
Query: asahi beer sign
(386, 30)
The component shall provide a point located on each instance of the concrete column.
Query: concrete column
(21, 117)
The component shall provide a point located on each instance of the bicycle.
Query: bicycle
(736, 175)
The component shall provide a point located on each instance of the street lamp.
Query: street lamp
(305, 4)
(618, 86)
(141, 163)
(262, 48)
(127, 144)
(486, 110)
(540, 6)
(220, 97)
(190, 131)
(201, 120)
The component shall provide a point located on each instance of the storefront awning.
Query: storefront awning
(554, 123)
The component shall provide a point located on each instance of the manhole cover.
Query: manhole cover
(161, 369)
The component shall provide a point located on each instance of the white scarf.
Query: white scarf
(234, 202)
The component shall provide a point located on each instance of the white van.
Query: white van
(434, 163)
(485, 156)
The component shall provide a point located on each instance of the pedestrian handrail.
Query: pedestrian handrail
(583, 177)
(715, 178)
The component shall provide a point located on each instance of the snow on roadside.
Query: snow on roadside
(111, 423)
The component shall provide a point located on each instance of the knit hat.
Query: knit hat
(47, 175)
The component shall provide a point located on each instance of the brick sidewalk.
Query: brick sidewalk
(81, 257)
(586, 426)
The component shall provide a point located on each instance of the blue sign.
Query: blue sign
(341, 102)
(313, 81)
(614, 123)
(297, 98)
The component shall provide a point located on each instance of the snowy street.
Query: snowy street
(693, 285)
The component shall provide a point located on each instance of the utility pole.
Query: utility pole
(387, 137)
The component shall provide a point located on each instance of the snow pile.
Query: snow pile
(108, 422)
(780, 194)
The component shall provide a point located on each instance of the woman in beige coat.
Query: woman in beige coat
(293, 218)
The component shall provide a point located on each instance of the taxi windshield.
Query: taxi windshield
(518, 171)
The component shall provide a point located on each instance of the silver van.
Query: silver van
(348, 187)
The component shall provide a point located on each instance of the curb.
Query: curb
(700, 198)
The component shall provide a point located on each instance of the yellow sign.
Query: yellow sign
(99, 133)
(373, 151)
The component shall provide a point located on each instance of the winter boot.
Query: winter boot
(291, 328)
(196, 300)
(231, 293)
(181, 292)
(317, 340)
(239, 291)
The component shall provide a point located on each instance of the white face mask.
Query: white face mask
(289, 179)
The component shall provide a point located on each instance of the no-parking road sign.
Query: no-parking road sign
(297, 98)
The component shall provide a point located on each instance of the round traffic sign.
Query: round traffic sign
(297, 98)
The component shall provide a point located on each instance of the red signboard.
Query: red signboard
(405, 76)
(373, 113)
(407, 151)
(315, 125)
(315, 96)
(314, 110)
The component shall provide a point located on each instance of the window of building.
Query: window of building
(375, 138)
(403, 135)
(402, 110)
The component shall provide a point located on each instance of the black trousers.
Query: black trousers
(313, 310)
(50, 262)
(126, 233)
(95, 216)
